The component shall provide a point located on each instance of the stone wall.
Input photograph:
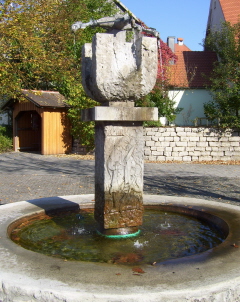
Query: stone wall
(191, 144)
(78, 148)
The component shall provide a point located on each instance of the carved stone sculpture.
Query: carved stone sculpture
(116, 73)
(116, 70)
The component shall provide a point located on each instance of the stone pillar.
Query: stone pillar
(119, 148)
(119, 175)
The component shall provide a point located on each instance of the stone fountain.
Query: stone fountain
(116, 73)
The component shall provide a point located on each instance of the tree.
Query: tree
(5, 139)
(159, 97)
(38, 51)
(225, 78)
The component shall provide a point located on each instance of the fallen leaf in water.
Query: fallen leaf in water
(127, 258)
(138, 270)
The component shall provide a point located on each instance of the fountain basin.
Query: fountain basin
(166, 234)
(28, 276)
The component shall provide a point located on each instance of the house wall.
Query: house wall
(192, 101)
(191, 144)
(216, 16)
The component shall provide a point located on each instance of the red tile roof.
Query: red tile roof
(191, 67)
(180, 48)
(231, 10)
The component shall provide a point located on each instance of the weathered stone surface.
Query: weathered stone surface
(119, 175)
(202, 146)
(116, 70)
(102, 113)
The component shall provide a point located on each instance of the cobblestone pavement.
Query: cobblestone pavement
(26, 176)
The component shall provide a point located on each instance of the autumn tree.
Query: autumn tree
(38, 50)
(159, 97)
(225, 78)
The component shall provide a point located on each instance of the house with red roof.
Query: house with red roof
(188, 79)
(188, 76)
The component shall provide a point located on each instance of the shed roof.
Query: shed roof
(44, 99)
(231, 10)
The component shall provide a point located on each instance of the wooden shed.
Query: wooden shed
(40, 123)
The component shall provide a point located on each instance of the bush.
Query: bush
(158, 97)
(5, 139)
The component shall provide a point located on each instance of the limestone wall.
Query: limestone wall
(191, 144)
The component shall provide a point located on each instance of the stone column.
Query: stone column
(119, 155)
(119, 176)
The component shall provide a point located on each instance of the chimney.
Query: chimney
(171, 43)
(180, 41)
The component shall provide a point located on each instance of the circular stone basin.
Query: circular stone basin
(164, 235)
(213, 275)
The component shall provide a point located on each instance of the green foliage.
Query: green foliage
(78, 100)
(158, 97)
(225, 79)
(39, 51)
(5, 139)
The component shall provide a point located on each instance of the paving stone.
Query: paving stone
(26, 176)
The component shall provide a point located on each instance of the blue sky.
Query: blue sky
(185, 19)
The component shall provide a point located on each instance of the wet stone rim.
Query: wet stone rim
(214, 273)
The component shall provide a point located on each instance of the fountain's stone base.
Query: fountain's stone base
(120, 210)
(210, 276)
